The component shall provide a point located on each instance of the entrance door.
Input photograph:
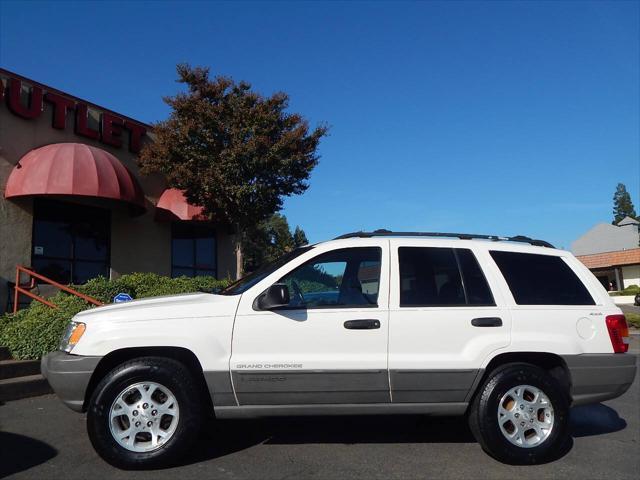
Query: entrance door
(329, 345)
(70, 242)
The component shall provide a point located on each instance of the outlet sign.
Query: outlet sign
(111, 126)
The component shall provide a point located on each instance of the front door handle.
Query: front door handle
(362, 324)
(487, 322)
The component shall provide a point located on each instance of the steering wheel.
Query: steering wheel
(297, 293)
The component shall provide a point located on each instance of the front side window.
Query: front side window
(441, 277)
(348, 277)
(541, 279)
(193, 249)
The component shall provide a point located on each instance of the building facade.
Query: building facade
(74, 205)
(612, 253)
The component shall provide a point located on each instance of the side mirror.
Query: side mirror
(277, 295)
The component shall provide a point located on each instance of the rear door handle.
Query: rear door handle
(362, 324)
(487, 322)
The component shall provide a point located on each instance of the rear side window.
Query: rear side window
(541, 279)
(441, 277)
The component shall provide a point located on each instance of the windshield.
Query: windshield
(245, 283)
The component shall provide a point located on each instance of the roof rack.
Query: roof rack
(463, 236)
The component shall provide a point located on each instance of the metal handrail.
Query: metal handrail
(19, 289)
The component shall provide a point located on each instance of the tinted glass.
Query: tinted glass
(70, 242)
(193, 249)
(341, 278)
(429, 277)
(90, 240)
(182, 252)
(476, 288)
(541, 279)
(205, 249)
(53, 238)
(84, 271)
(55, 269)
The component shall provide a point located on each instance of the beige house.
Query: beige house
(73, 204)
(612, 253)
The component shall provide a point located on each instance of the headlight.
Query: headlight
(72, 335)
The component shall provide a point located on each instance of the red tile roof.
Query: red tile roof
(611, 259)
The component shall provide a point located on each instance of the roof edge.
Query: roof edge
(5, 72)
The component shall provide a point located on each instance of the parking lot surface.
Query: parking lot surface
(40, 438)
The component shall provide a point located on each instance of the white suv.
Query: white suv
(508, 331)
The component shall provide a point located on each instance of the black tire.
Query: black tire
(164, 371)
(483, 414)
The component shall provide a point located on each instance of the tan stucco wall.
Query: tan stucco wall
(137, 243)
(631, 275)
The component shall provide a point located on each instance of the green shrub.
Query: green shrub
(143, 285)
(633, 319)
(36, 330)
(630, 290)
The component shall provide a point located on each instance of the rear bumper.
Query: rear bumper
(599, 377)
(69, 376)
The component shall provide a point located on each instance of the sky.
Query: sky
(484, 117)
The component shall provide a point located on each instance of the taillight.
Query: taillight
(618, 332)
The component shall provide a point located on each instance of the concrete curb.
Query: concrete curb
(23, 387)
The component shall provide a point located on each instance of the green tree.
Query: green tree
(266, 241)
(622, 204)
(299, 237)
(233, 151)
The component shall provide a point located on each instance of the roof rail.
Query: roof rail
(463, 236)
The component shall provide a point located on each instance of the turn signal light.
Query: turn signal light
(618, 332)
(77, 334)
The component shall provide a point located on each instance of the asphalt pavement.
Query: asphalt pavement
(40, 438)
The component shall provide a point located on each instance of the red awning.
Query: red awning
(173, 205)
(73, 169)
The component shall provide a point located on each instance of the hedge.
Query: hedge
(630, 290)
(36, 330)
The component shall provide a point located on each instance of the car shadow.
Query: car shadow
(242, 434)
(239, 435)
(597, 419)
(19, 453)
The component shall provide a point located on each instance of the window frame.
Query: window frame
(192, 225)
(332, 307)
(460, 273)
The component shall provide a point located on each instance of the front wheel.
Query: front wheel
(145, 413)
(520, 415)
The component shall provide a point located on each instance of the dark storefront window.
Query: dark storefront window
(193, 249)
(70, 242)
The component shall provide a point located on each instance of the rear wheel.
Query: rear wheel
(145, 413)
(520, 415)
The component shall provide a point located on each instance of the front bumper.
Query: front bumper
(599, 377)
(69, 376)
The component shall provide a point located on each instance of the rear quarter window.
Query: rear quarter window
(541, 279)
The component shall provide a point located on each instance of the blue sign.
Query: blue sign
(122, 297)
